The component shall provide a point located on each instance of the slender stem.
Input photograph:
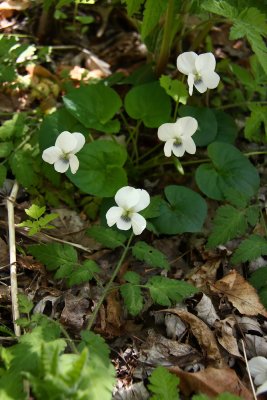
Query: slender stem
(166, 40)
(150, 151)
(254, 153)
(249, 374)
(108, 286)
(243, 103)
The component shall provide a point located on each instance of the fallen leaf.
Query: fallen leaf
(255, 346)
(206, 311)
(211, 381)
(14, 5)
(203, 334)
(137, 391)
(226, 336)
(75, 312)
(114, 310)
(240, 293)
(204, 275)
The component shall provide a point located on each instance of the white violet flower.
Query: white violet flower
(130, 201)
(258, 369)
(62, 155)
(200, 70)
(177, 136)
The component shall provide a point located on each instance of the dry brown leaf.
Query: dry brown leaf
(203, 334)
(114, 310)
(212, 381)
(75, 312)
(240, 293)
(14, 5)
(225, 336)
(206, 311)
(206, 274)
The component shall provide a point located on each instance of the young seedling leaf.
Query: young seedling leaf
(163, 385)
(143, 252)
(35, 211)
(106, 236)
(250, 249)
(174, 88)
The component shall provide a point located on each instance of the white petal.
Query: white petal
(127, 197)
(61, 165)
(51, 155)
(143, 202)
(190, 81)
(260, 378)
(200, 86)
(113, 215)
(205, 62)
(74, 163)
(178, 151)
(262, 388)
(138, 223)
(123, 225)
(189, 145)
(166, 131)
(257, 365)
(66, 142)
(187, 126)
(210, 79)
(168, 147)
(80, 139)
(186, 62)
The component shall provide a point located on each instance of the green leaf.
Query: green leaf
(132, 297)
(153, 210)
(106, 236)
(3, 173)
(95, 344)
(25, 304)
(5, 149)
(149, 103)
(259, 278)
(14, 127)
(35, 211)
(207, 124)
(152, 14)
(94, 106)
(133, 6)
(185, 211)
(229, 222)
(24, 167)
(226, 127)
(132, 277)
(229, 169)
(143, 252)
(55, 123)
(83, 273)
(174, 88)
(44, 221)
(250, 249)
(163, 385)
(227, 396)
(164, 290)
(258, 116)
(54, 255)
(100, 172)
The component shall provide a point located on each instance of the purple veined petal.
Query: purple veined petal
(80, 139)
(189, 145)
(123, 224)
(205, 62)
(200, 86)
(168, 147)
(166, 131)
(61, 165)
(127, 197)
(66, 142)
(187, 126)
(186, 62)
(113, 215)
(74, 163)
(143, 202)
(51, 155)
(178, 150)
(190, 81)
(262, 388)
(211, 79)
(257, 365)
(138, 223)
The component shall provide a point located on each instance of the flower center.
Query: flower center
(177, 142)
(197, 78)
(126, 216)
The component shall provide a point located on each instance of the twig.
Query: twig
(12, 256)
(249, 375)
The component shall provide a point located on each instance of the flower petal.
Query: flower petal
(138, 223)
(127, 197)
(179, 150)
(189, 145)
(66, 142)
(123, 224)
(113, 215)
(61, 165)
(168, 147)
(51, 155)
(166, 132)
(257, 365)
(143, 202)
(260, 378)
(80, 139)
(210, 79)
(200, 86)
(190, 81)
(262, 388)
(186, 62)
(187, 126)
(74, 163)
(205, 62)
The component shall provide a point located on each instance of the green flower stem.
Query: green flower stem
(166, 40)
(242, 104)
(108, 286)
(255, 153)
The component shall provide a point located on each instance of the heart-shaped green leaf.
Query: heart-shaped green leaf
(149, 103)
(229, 169)
(101, 170)
(185, 211)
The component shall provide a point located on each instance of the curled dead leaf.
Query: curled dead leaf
(240, 293)
(226, 336)
(206, 311)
